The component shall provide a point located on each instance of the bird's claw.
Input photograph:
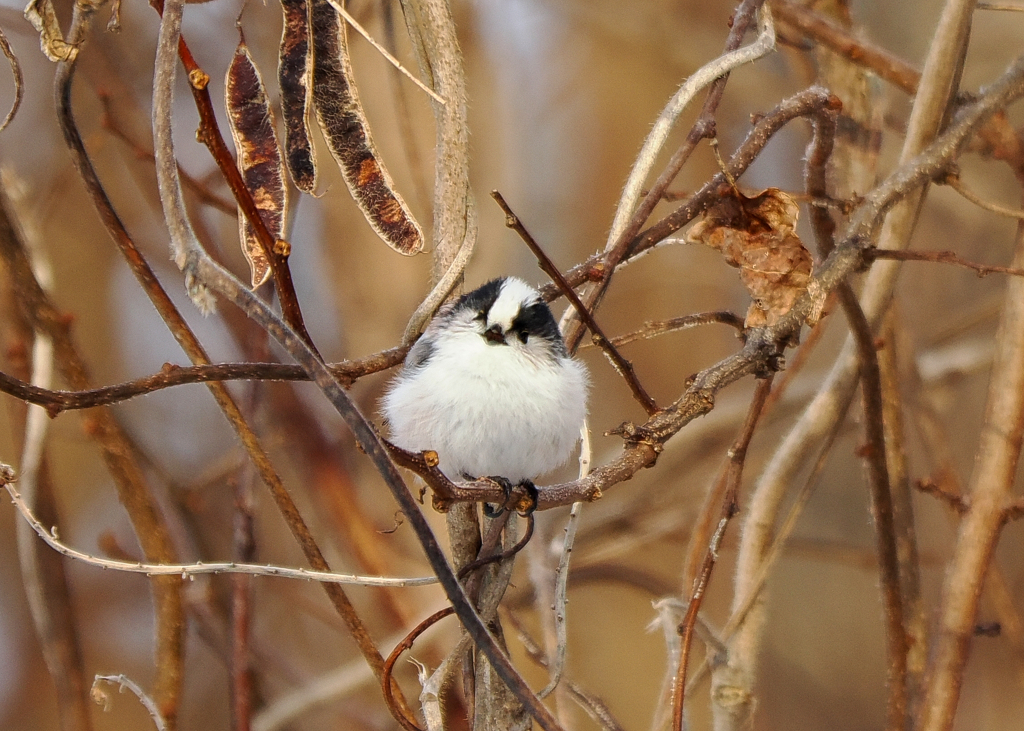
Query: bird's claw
(524, 505)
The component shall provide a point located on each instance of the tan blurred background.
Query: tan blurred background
(561, 97)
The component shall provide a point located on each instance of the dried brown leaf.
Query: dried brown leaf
(758, 235)
(344, 124)
(41, 15)
(293, 73)
(259, 157)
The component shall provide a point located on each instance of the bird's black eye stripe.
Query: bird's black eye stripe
(536, 319)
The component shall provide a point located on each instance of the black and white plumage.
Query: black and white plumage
(490, 387)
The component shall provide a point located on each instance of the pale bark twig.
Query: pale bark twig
(989, 489)
(186, 570)
(123, 681)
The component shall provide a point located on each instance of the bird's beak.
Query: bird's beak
(494, 335)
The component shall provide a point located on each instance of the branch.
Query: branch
(628, 222)
(123, 681)
(943, 257)
(729, 482)
(209, 134)
(989, 489)
(189, 570)
(623, 366)
(174, 375)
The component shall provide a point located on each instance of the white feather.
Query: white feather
(508, 409)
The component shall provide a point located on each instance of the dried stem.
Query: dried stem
(432, 32)
(190, 570)
(43, 572)
(989, 490)
(118, 453)
(943, 257)
(123, 681)
(406, 644)
(882, 511)
(818, 153)
(174, 375)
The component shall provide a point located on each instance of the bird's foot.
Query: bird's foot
(523, 505)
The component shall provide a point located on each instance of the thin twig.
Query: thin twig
(839, 40)
(44, 573)
(818, 153)
(653, 328)
(384, 52)
(389, 664)
(174, 375)
(561, 588)
(802, 104)
(188, 570)
(594, 706)
(730, 478)
(123, 681)
(882, 511)
(943, 257)
(623, 366)
(627, 221)
(19, 82)
(202, 192)
(954, 182)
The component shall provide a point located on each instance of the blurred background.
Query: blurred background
(561, 95)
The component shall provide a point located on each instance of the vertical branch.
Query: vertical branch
(729, 487)
(432, 32)
(244, 551)
(46, 586)
(882, 511)
(836, 393)
(989, 490)
(818, 154)
(914, 616)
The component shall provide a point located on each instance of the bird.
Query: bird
(491, 388)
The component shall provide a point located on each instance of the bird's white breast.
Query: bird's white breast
(489, 410)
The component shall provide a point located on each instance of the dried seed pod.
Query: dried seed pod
(293, 73)
(259, 156)
(341, 118)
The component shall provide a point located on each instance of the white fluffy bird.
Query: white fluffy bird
(490, 388)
